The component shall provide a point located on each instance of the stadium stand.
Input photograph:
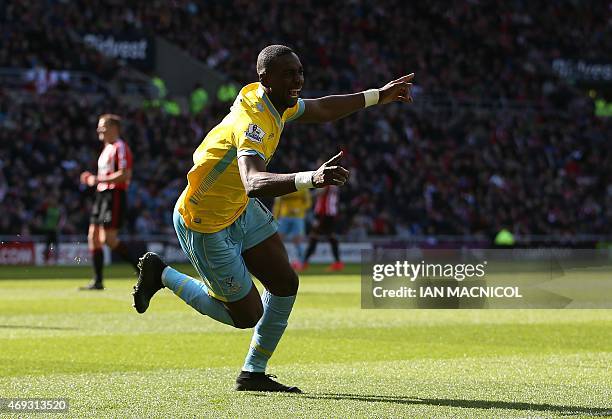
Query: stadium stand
(507, 143)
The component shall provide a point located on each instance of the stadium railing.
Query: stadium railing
(72, 249)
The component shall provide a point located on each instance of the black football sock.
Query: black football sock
(98, 264)
(334, 245)
(312, 245)
(122, 250)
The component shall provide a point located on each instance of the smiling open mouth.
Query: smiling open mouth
(294, 92)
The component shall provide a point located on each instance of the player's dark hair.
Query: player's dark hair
(269, 54)
(112, 119)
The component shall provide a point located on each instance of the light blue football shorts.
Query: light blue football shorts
(217, 256)
(291, 227)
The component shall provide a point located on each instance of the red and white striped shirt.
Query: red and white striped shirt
(115, 156)
(327, 202)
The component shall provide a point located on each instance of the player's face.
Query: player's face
(104, 130)
(285, 80)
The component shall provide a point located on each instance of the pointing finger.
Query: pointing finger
(405, 78)
(334, 159)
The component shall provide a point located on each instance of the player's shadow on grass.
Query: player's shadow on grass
(16, 326)
(472, 404)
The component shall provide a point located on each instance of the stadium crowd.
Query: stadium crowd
(35, 35)
(500, 49)
(458, 170)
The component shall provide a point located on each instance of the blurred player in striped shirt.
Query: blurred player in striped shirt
(326, 212)
(110, 206)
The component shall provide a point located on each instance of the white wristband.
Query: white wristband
(303, 180)
(371, 97)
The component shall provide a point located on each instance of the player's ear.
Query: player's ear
(265, 78)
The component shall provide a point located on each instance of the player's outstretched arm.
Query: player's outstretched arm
(331, 108)
(258, 182)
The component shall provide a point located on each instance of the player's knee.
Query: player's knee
(249, 320)
(93, 241)
(288, 286)
(293, 283)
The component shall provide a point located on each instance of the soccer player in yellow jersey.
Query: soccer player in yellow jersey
(290, 211)
(225, 231)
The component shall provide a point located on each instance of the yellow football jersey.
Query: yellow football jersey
(293, 205)
(215, 196)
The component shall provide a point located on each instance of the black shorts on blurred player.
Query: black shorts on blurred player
(109, 209)
(324, 225)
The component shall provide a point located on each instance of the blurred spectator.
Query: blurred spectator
(144, 223)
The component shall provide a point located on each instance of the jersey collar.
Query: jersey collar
(261, 93)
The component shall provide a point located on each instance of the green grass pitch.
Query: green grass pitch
(92, 348)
